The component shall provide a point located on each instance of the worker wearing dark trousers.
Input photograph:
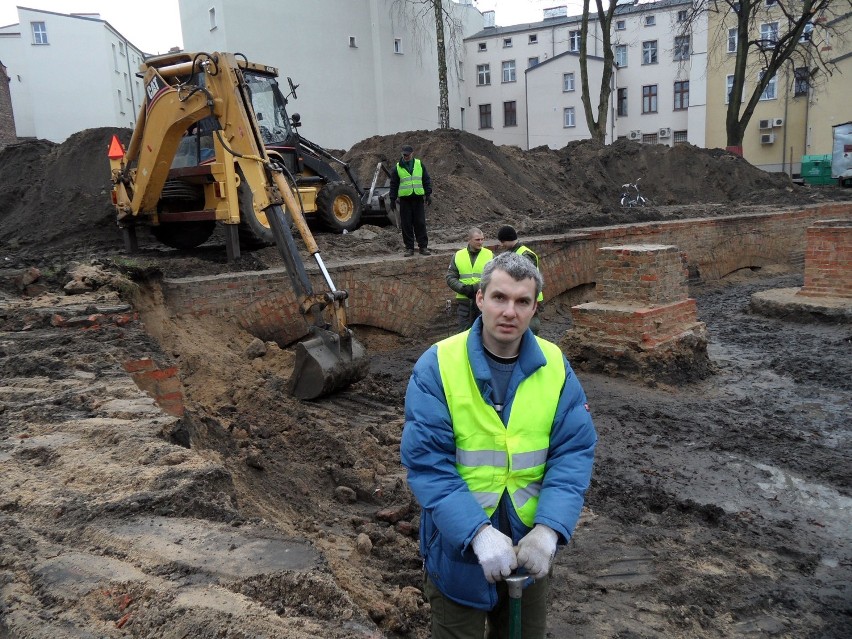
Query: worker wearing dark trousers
(411, 184)
(508, 238)
(463, 276)
(499, 444)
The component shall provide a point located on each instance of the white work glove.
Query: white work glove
(495, 553)
(536, 550)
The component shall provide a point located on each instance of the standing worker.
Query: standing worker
(508, 238)
(499, 488)
(463, 276)
(413, 186)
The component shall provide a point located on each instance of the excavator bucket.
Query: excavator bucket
(326, 363)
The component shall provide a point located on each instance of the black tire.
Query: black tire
(339, 206)
(254, 229)
(184, 235)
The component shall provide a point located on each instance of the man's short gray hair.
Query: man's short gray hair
(517, 266)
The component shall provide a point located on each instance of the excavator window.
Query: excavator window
(269, 108)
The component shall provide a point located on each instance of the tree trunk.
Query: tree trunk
(443, 91)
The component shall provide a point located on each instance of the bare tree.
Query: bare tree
(448, 30)
(764, 35)
(597, 127)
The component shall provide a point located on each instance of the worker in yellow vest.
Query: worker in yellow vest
(508, 238)
(499, 444)
(463, 276)
(411, 184)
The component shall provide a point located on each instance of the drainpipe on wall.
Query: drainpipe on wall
(786, 124)
(527, 108)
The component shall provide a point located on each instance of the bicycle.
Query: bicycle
(630, 195)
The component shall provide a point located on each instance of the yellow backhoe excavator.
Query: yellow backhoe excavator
(202, 152)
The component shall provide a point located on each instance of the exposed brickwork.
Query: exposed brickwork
(649, 274)
(7, 117)
(407, 296)
(162, 384)
(828, 260)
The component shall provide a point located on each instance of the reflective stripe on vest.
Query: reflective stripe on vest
(492, 458)
(521, 250)
(410, 182)
(471, 273)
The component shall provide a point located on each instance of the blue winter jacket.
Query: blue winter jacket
(451, 515)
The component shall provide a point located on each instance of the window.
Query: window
(650, 21)
(483, 46)
(679, 137)
(770, 92)
(802, 82)
(567, 82)
(352, 42)
(681, 47)
(509, 71)
(620, 25)
(768, 35)
(39, 32)
(531, 62)
(621, 55)
(649, 98)
(120, 103)
(733, 38)
(729, 88)
(771, 3)
(649, 138)
(483, 74)
(682, 15)
(114, 58)
(397, 45)
(533, 38)
(121, 49)
(681, 95)
(510, 114)
(461, 70)
(568, 117)
(649, 52)
(484, 116)
(507, 43)
(211, 16)
(574, 40)
(622, 102)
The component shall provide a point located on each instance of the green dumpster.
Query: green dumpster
(816, 169)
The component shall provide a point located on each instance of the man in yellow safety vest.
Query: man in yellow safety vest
(463, 276)
(411, 184)
(499, 447)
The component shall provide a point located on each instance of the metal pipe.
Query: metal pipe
(515, 584)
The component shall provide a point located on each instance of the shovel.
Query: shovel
(516, 591)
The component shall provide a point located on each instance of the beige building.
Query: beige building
(796, 110)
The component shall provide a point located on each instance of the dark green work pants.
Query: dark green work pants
(454, 621)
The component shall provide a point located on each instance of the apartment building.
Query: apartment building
(363, 67)
(68, 73)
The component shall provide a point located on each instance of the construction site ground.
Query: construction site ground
(719, 508)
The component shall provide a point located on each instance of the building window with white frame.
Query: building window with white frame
(510, 114)
(681, 47)
(729, 88)
(483, 75)
(483, 46)
(39, 32)
(574, 40)
(650, 21)
(567, 82)
(768, 35)
(115, 58)
(771, 90)
(568, 118)
(533, 39)
(681, 95)
(120, 103)
(508, 71)
(211, 16)
(620, 25)
(397, 45)
(484, 116)
(682, 15)
(621, 55)
(733, 39)
(649, 98)
(461, 70)
(649, 52)
(507, 43)
(621, 102)
(531, 62)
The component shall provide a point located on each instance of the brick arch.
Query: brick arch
(734, 252)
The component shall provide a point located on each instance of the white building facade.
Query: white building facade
(363, 67)
(68, 73)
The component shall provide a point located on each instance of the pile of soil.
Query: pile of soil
(719, 509)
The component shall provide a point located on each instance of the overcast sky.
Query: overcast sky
(154, 25)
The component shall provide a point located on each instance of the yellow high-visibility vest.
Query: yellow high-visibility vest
(471, 273)
(410, 183)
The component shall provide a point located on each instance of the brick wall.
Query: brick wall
(647, 274)
(7, 118)
(828, 259)
(407, 296)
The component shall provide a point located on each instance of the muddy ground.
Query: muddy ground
(717, 509)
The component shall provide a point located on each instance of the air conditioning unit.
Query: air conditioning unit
(634, 135)
(767, 138)
(765, 124)
(778, 122)
(665, 132)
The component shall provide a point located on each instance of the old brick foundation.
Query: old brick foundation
(642, 322)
